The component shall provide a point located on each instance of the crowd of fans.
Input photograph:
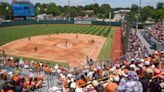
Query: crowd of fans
(12, 78)
(135, 44)
(143, 74)
(157, 31)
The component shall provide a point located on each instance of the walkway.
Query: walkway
(144, 42)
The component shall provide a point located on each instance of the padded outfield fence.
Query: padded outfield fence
(31, 22)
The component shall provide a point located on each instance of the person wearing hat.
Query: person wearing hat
(118, 69)
(124, 76)
(162, 53)
(126, 63)
(132, 85)
(8, 87)
(156, 55)
(155, 85)
(72, 85)
(111, 86)
(98, 87)
(16, 77)
(82, 82)
(79, 89)
(148, 68)
(140, 71)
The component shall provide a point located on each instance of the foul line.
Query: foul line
(91, 52)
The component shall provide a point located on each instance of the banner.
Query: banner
(82, 22)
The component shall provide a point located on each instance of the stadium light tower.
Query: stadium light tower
(139, 11)
(7, 9)
(110, 16)
(69, 13)
(38, 9)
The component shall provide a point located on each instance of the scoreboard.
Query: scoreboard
(23, 10)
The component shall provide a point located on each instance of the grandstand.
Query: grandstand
(66, 51)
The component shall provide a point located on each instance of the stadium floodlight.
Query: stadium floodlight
(69, 10)
(110, 16)
(38, 8)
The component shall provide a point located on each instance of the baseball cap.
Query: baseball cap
(125, 72)
(147, 63)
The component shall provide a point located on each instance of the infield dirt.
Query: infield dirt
(67, 48)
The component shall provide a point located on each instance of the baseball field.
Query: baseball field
(64, 44)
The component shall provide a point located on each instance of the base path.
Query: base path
(67, 48)
(117, 44)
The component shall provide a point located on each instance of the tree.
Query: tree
(38, 8)
(80, 11)
(158, 15)
(53, 9)
(66, 11)
(146, 12)
(132, 15)
(104, 10)
(44, 8)
(160, 5)
(73, 11)
(61, 9)
(6, 10)
(94, 7)
(134, 8)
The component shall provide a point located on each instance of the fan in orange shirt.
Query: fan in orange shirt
(49, 70)
(82, 82)
(110, 87)
(40, 77)
(16, 77)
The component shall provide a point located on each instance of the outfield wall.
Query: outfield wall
(31, 22)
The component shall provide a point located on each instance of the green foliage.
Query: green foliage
(3, 11)
(158, 15)
(134, 8)
(100, 11)
(53, 9)
(160, 5)
(104, 10)
(146, 12)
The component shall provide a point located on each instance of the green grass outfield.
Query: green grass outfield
(8, 34)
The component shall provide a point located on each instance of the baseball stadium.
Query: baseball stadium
(96, 47)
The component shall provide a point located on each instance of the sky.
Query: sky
(113, 3)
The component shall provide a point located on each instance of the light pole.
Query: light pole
(69, 14)
(7, 8)
(139, 11)
(38, 8)
(110, 16)
(45, 10)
